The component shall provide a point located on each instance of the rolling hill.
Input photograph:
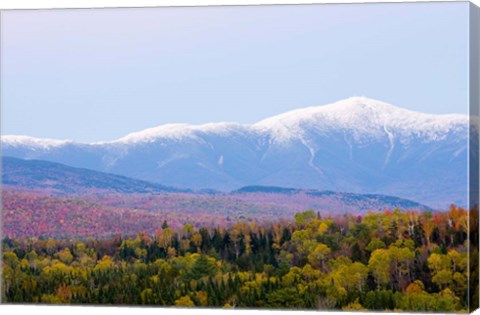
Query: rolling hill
(49, 199)
(56, 178)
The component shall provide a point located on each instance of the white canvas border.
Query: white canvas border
(77, 310)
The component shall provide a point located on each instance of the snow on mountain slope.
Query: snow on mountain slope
(32, 142)
(356, 145)
(180, 132)
(364, 118)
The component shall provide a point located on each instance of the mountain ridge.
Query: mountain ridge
(54, 179)
(334, 110)
(59, 178)
(358, 145)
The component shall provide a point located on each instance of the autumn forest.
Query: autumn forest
(390, 260)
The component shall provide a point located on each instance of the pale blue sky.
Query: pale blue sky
(98, 74)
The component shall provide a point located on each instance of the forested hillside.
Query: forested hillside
(103, 215)
(416, 261)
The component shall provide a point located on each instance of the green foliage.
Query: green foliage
(203, 267)
(285, 298)
(378, 262)
(302, 218)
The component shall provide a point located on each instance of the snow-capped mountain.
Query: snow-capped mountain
(356, 145)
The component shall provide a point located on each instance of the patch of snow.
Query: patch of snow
(171, 159)
(16, 141)
(459, 151)
(311, 150)
(350, 146)
(391, 142)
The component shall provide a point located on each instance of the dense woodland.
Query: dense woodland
(392, 260)
(103, 215)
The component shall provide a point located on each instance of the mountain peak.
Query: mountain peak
(356, 105)
(363, 103)
(359, 115)
(363, 117)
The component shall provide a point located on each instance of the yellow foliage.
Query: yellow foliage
(65, 256)
(416, 287)
(354, 306)
(184, 301)
(202, 297)
(104, 264)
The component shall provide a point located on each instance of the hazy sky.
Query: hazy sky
(98, 74)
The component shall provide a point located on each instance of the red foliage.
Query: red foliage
(105, 215)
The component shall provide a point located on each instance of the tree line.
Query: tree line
(392, 260)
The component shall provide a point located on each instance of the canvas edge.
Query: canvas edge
(146, 4)
(474, 110)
